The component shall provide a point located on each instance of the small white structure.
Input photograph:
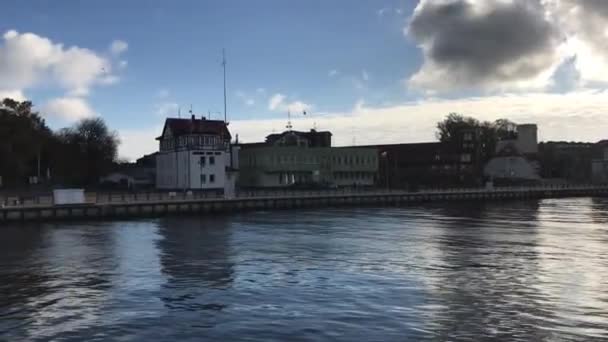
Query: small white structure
(514, 157)
(68, 196)
(194, 154)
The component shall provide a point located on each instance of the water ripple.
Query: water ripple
(513, 271)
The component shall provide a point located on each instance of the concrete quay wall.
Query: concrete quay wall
(218, 205)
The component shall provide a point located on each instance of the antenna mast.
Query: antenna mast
(224, 66)
(289, 126)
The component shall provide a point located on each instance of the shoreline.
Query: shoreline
(159, 208)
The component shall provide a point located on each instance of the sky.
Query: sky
(382, 71)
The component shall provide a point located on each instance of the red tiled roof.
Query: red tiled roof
(196, 126)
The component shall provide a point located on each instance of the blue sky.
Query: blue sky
(279, 46)
(371, 71)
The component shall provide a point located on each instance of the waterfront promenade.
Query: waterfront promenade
(126, 205)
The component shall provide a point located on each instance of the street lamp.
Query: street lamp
(384, 155)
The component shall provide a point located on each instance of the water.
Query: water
(527, 271)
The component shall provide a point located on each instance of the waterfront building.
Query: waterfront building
(516, 157)
(295, 158)
(138, 175)
(434, 164)
(194, 154)
(599, 163)
(566, 162)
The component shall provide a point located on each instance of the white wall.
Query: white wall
(218, 169)
(182, 170)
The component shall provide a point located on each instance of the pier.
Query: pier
(147, 205)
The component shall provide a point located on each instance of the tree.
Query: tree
(92, 150)
(24, 142)
(450, 129)
(78, 155)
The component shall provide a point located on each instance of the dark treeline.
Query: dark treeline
(490, 133)
(74, 156)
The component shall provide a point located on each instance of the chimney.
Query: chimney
(193, 117)
(203, 118)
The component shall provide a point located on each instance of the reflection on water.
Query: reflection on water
(517, 271)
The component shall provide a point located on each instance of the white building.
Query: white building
(194, 154)
(515, 158)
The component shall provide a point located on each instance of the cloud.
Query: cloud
(16, 95)
(261, 90)
(28, 61)
(122, 64)
(135, 143)
(484, 44)
(118, 47)
(584, 23)
(386, 10)
(167, 109)
(298, 106)
(381, 12)
(332, 73)
(68, 109)
(275, 101)
(249, 101)
(573, 116)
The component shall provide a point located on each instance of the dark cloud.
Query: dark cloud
(599, 7)
(586, 19)
(584, 22)
(470, 43)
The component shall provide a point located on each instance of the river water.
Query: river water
(513, 271)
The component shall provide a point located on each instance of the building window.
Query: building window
(211, 160)
(202, 162)
(468, 136)
(465, 158)
(203, 179)
(211, 178)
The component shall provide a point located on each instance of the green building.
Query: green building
(305, 158)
